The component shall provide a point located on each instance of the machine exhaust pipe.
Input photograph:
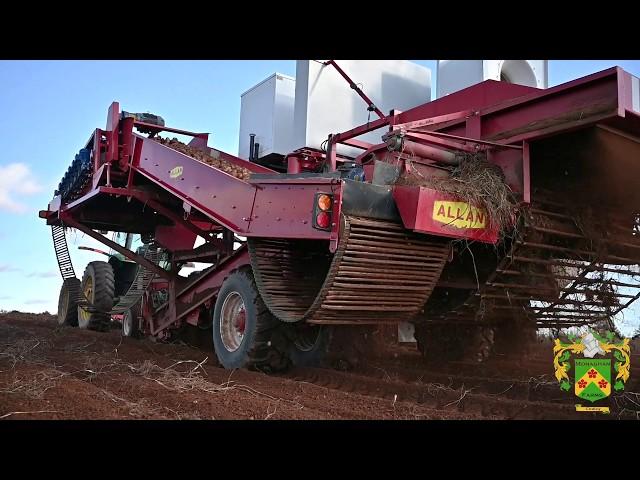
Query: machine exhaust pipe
(252, 140)
(256, 149)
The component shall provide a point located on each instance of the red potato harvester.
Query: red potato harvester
(376, 239)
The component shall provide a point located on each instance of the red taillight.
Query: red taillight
(323, 219)
(323, 211)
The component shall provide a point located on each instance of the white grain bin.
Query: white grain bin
(267, 112)
(455, 75)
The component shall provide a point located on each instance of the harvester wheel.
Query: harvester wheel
(439, 343)
(450, 342)
(98, 288)
(515, 339)
(309, 345)
(131, 322)
(245, 333)
(68, 302)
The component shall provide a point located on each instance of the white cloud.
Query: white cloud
(8, 268)
(47, 274)
(16, 179)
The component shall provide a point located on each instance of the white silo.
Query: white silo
(454, 75)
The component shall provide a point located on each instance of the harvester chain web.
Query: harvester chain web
(380, 273)
(554, 275)
(62, 252)
(140, 283)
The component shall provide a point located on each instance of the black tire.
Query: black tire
(68, 302)
(515, 339)
(447, 343)
(440, 342)
(131, 322)
(100, 293)
(262, 345)
(309, 345)
(147, 238)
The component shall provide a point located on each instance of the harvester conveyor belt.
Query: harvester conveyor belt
(380, 273)
(139, 285)
(62, 252)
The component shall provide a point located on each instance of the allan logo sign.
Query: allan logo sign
(459, 214)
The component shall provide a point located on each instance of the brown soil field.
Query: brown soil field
(52, 372)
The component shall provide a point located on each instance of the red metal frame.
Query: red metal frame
(67, 219)
(499, 116)
(182, 303)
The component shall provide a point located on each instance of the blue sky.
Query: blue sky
(48, 109)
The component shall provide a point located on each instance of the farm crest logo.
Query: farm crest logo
(459, 214)
(593, 376)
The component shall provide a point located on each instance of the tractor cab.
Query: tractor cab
(125, 270)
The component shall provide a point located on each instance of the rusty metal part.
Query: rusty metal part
(380, 273)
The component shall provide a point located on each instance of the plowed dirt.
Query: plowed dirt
(52, 372)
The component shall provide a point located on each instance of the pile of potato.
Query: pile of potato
(227, 167)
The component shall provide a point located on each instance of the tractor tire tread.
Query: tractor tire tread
(264, 354)
(104, 294)
(68, 302)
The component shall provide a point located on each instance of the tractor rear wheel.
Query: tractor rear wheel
(309, 345)
(98, 289)
(515, 339)
(450, 342)
(439, 343)
(245, 333)
(68, 302)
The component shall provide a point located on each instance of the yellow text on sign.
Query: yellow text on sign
(459, 214)
(580, 408)
(176, 172)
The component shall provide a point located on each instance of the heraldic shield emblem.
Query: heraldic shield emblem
(601, 365)
(593, 379)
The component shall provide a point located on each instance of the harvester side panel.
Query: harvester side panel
(221, 196)
(276, 209)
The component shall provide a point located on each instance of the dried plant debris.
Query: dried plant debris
(198, 154)
(477, 182)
